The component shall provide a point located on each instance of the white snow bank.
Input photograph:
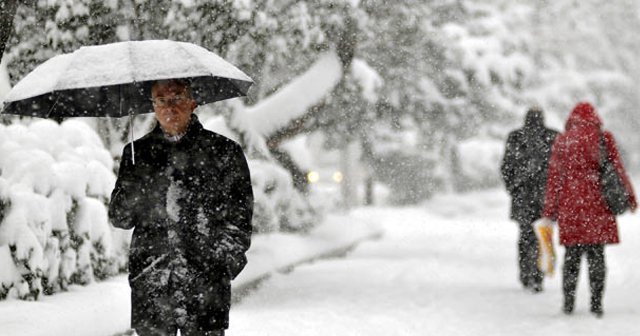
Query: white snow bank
(279, 252)
(99, 309)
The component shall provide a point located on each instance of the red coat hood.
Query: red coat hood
(584, 114)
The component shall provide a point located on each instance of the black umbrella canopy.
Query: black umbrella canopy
(114, 80)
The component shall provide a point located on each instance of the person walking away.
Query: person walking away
(524, 172)
(188, 197)
(574, 199)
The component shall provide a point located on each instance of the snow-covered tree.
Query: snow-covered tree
(558, 53)
(54, 229)
(44, 29)
(7, 12)
(587, 51)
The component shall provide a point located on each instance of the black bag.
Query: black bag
(613, 189)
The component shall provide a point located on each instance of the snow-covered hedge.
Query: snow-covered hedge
(278, 205)
(55, 181)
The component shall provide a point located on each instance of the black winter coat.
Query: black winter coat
(524, 169)
(190, 205)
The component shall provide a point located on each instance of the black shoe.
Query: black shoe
(567, 309)
(536, 288)
(597, 311)
(533, 288)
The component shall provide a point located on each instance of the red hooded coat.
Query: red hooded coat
(573, 197)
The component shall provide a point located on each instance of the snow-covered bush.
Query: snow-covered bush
(278, 205)
(55, 182)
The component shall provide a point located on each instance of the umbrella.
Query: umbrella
(114, 80)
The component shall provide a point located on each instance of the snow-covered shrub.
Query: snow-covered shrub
(55, 182)
(278, 206)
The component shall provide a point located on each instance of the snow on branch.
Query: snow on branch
(294, 99)
(5, 86)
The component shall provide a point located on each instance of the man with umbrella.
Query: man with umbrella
(188, 198)
(185, 192)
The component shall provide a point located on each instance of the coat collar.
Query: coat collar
(192, 131)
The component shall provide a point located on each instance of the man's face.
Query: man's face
(173, 107)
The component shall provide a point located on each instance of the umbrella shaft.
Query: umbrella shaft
(133, 151)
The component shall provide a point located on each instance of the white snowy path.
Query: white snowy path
(446, 268)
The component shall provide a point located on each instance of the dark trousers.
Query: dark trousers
(571, 270)
(530, 275)
(171, 331)
(156, 312)
(158, 320)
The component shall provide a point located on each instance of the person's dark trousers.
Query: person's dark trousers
(158, 318)
(183, 332)
(186, 331)
(597, 274)
(530, 276)
(171, 331)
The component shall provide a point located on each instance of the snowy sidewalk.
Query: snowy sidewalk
(447, 268)
(103, 308)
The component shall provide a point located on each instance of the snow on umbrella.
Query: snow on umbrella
(114, 80)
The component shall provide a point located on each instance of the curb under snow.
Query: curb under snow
(281, 253)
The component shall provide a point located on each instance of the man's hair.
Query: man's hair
(535, 109)
(179, 82)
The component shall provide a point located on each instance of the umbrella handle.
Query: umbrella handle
(133, 151)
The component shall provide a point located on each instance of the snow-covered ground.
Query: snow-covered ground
(102, 309)
(447, 267)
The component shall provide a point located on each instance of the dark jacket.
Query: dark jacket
(574, 197)
(191, 201)
(524, 167)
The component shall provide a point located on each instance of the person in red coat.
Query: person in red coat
(575, 201)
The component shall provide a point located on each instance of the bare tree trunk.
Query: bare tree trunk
(368, 191)
(7, 12)
(349, 158)
(367, 159)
